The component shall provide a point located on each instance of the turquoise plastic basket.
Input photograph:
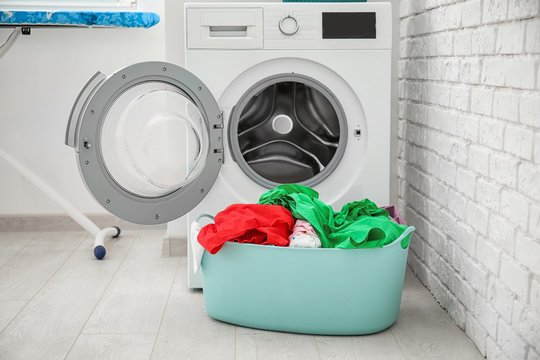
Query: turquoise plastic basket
(312, 291)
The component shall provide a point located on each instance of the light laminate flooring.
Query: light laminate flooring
(58, 302)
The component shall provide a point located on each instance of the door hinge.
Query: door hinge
(220, 151)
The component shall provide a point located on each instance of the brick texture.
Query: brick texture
(469, 164)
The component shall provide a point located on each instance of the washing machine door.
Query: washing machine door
(148, 140)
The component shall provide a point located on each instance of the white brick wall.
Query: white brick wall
(469, 164)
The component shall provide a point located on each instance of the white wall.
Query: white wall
(40, 77)
(469, 164)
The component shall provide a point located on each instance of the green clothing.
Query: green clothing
(359, 224)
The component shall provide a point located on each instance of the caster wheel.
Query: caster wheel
(118, 232)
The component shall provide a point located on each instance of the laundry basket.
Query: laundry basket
(306, 290)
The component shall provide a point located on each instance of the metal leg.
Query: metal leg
(99, 248)
(72, 211)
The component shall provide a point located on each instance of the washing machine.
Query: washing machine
(271, 93)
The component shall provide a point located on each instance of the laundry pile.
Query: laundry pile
(292, 215)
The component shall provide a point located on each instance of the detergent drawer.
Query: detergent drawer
(229, 28)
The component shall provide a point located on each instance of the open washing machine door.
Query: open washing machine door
(148, 140)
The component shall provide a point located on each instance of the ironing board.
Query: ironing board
(79, 18)
(22, 21)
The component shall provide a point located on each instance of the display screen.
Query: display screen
(349, 25)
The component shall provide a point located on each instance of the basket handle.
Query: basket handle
(206, 216)
(409, 230)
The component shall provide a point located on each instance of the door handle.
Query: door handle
(79, 107)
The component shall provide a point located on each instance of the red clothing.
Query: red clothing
(248, 223)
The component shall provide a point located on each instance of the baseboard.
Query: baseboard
(64, 223)
(174, 246)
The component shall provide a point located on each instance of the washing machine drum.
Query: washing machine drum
(288, 128)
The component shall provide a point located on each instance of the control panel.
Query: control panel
(289, 25)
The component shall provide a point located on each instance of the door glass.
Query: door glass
(154, 139)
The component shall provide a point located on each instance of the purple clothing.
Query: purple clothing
(395, 214)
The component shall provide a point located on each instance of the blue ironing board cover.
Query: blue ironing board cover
(79, 18)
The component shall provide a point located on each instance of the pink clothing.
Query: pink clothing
(303, 235)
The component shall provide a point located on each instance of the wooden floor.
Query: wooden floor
(58, 302)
